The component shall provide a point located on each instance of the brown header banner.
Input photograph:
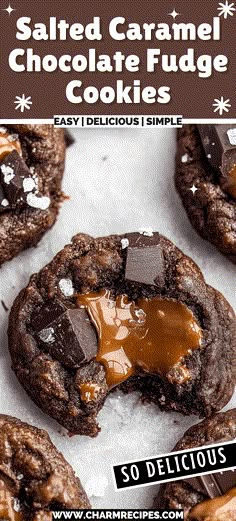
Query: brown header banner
(99, 57)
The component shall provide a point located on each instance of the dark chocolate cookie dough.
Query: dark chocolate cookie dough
(31, 169)
(159, 327)
(201, 498)
(211, 206)
(34, 476)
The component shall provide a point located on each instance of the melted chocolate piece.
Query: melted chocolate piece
(144, 260)
(213, 485)
(67, 334)
(219, 142)
(226, 479)
(220, 492)
(152, 334)
(15, 177)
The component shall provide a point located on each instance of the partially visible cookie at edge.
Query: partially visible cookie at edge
(35, 477)
(204, 189)
(192, 495)
(31, 169)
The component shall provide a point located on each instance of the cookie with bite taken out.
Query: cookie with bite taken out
(129, 311)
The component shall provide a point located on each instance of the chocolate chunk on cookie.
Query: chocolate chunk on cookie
(144, 261)
(35, 477)
(16, 180)
(206, 162)
(219, 143)
(66, 333)
(106, 313)
(31, 169)
(210, 497)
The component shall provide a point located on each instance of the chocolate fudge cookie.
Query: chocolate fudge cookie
(34, 476)
(31, 169)
(206, 181)
(210, 497)
(128, 310)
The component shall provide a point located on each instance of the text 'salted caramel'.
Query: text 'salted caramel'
(152, 334)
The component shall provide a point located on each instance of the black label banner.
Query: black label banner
(176, 465)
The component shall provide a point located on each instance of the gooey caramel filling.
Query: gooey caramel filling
(154, 334)
(8, 143)
(222, 508)
(89, 391)
(7, 511)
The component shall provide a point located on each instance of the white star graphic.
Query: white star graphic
(174, 14)
(221, 105)
(9, 9)
(226, 9)
(193, 189)
(22, 102)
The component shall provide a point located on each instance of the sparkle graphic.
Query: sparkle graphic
(226, 9)
(174, 14)
(23, 103)
(9, 9)
(221, 105)
(193, 189)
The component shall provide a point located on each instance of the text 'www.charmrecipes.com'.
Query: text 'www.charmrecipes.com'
(118, 514)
